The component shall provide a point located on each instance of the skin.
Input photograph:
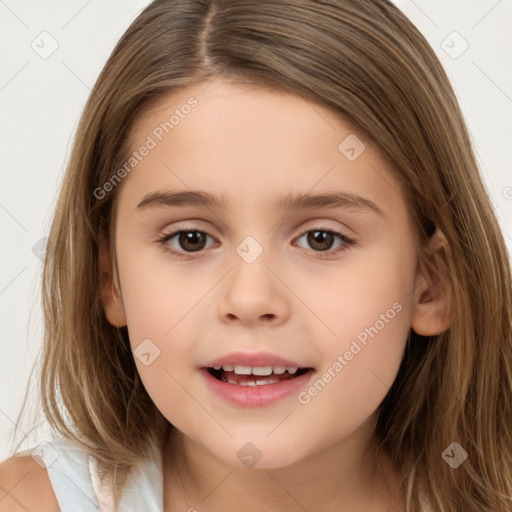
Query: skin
(255, 145)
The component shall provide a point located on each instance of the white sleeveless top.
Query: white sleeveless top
(78, 487)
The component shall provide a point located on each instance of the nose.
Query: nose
(253, 293)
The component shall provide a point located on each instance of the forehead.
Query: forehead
(246, 141)
(242, 109)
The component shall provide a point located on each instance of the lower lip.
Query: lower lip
(255, 396)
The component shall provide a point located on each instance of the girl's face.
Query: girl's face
(329, 286)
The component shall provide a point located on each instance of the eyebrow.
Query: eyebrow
(166, 198)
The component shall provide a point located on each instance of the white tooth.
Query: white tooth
(266, 381)
(278, 370)
(227, 367)
(217, 367)
(243, 370)
(291, 369)
(261, 370)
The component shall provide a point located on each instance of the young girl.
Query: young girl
(340, 339)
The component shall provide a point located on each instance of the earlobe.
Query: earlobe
(110, 297)
(432, 298)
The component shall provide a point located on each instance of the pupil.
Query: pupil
(191, 237)
(315, 238)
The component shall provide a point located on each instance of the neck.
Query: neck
(350, 475)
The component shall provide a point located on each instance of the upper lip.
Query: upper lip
(253, 359)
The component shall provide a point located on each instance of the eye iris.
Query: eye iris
(191, 237)
(320, 240)
(316, 238)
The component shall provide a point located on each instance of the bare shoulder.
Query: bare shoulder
(25, 487)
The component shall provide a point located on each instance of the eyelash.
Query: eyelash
(347, 242)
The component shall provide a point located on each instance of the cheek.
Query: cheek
(368, 314)
(353, 296)
(162, 305)
(158, 294)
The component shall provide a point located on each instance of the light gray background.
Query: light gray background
(42, 97)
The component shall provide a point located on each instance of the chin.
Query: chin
(256, 456)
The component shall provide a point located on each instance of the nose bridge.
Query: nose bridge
(251, 261)
(250, 249)
(252, 290)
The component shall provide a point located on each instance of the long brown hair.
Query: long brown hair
(367, 62)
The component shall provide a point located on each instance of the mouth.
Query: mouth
(257, 375)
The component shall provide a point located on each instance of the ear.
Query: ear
(110, 297)
(432, 302)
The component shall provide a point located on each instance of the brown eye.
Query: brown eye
(192, 240)
(321, 240)
(187, 241)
